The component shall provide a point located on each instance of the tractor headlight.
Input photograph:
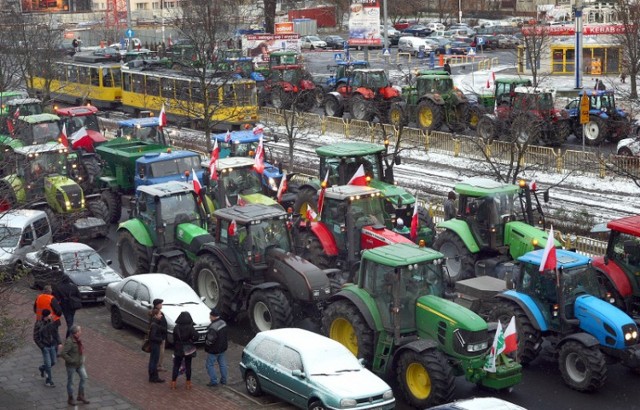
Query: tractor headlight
(82, 203)
(316, 293)
(387, 395)
(348, 403)
(478, 347)
(67, 203)
(272, 184)
(631, 335)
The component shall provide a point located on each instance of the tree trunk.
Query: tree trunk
(633, 93)
(269, 15)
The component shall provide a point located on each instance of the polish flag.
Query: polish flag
(359, 178)
(227, 136)
(533, 186)
(16, 114)
(321, 196)
(510, 337)
(488, 83)
(259, 158)
(63, 136)
(226, 201)
(231, 230)
(258, 129)
(215, 154)
(162, 118)
(490, 361)
(197, 186)
(283, 187)
(311, 214)
(549, 260)
(414, 221)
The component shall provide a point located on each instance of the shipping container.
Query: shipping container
(325, 16)
(305, 27)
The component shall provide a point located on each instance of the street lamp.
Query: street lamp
(459, 11)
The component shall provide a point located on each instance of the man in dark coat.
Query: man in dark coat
(216, 344)
(447, 67)
(69, 298)
(46, 337)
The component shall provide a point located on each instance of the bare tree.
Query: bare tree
(629, 17)
(536, 41)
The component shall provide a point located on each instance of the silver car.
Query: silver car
(130, 301)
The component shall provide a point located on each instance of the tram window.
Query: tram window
(60, 73)
(95, 78)
(137, 83)
(182, 88)
(115, 72)
(126, 82)
(167, 88)
(214, 94)
(228, 98)
(153, 86)
(72, 74)
(196, 93)
(83, 75)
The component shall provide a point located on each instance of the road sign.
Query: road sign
(584, 109)
(471, 51)
(345, 45)
(338, 57)
(129, 33)
(386, 52)
(480, 41)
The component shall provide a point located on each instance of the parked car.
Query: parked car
(413, 45)
(130, 300)
(458, 48)
(489, 42)
(394, 35)
(417, 30)
(436, 26)
(22, 231)
(312, 42)
(310, 371)
(334, 42)
(437, 46)
(507, 41)
(80, 262)
(479, 403)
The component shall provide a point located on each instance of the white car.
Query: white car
(312, 42)
(130, 300)
(436, 26)
(479, 403)
(629, 146)
(413, 45)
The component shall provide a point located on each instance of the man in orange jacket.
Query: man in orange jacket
(46, 300)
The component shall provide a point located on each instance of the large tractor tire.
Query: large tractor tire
(429, 115)
(93, 170)
(313, 251)
(460, 261)
(305, 100)
(426, 379)
(333, 107)
(529, 339)
(114, 206)
(361, 108)
(132, 255)
(395, 116)
(596, 131)
(342, 322)
(473, 116)
(269, 309)
(583, 368)
(458, 119)
(319, 95)
(486, 128)
(212, 281)
(99, 209)
(561, 132)
(280, 99)
(306, 199)
(525, 131)
(177, 267)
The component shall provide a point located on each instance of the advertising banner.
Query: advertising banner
(260, 46)
(284, 28)
(364, 23)
(569, 30)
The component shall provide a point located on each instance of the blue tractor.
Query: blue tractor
(244, 144)
(145, 129)
(566, 310)
(606, 121)
(339, 75)
(159, 167)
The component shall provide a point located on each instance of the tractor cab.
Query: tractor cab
(33, 164)
(158, 167)
(35, 129)
(505, 89)
(341, 72)
(278, 58)
(142, 129)
(77, 118)
(538, 101)
(371, 79)
(24, 106)
(240, 67)
(7, 96)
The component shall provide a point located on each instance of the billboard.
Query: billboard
(260, 46)
(364, 23)
(284, 28)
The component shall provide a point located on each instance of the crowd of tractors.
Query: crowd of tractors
(345, 250)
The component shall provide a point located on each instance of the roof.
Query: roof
(159, 281)
(139, 122)
(512, 80)
(77, 111)
(481, 187)
(111, 64)
(38, 118)
(349, 149)
(164, 156)
(354, 63)
(23, 101)
(566, 259)
(629, 225)
(345, 191)
(283, 53)
(371, 70)
(18, 217)
(249, 213)
(300, 339)
(401, 254)
(591, 92)
(237, 137)
(68, 247)
(235, 162)
(166, 189)
(534, 90)
(40, 148)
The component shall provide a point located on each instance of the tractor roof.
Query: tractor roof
(349, 149)
(284, 67)
(629, 225)
(166, 189)
(534, 90)
(401, 254)
(481, 187)
(283, 53)
(512, 80)
(354, 63)
(566, 259)
(40, 148)
(370, 70)
(235, 162)
(80, 111)
(433, 72)
(343, 192)
(139, 122)
(39, 118)
(237, 137)
(249, 213)
(238, 59)
(596, 92)
(433, 76)
(23, 101)
(153, 157)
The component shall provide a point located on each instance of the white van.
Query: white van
(21, 231)
(413, 45)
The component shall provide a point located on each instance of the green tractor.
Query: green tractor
(33, 129)
(393, 318)
(496, 223)
(40, 181)
(486, 101)
(432, 102)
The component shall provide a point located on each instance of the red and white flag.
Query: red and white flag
(226, 201)
(215, 154)
(258, 129)
(549, 260)
(311, 214)
(414, 221)
(533, 186)
(227, 136)
(241, 201)
(162, 118)
(359, 178)
(197, 186)
(259, 158)
(63, 136)
(321, 195)
(16, 114)
(511, 337)
(283, 186)
(231, 230)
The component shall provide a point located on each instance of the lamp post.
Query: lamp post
(578, 45)
(459, 11)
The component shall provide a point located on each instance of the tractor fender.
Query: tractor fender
(17, 186)
(583, 338)
(418, 346)
(224, 255)
(365, 92)
(431, 97)
(461, 228)
(616, 275)
(325, 237)
(360, 304)
(138, 230)
(337, 95)
(313, 185)
(298, 276)
(528, 305)
(173, 253)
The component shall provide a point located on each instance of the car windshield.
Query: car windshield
(313, 38)
(272, 232)
(179, 204)
(45, 132)
(89, 122)
(9, 236)
(330, 360)
(178, 294)
(82, 261)
(579, 281)
(174, 166)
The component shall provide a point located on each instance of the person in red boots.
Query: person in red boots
(73, 355)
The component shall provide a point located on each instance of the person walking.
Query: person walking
(46, 300)
(157, 336)
(73, 355)
(68, 295)
(184, 338)
(450, 209)
(157, 304)
(216, 344)
(47, 338)
(447, 67)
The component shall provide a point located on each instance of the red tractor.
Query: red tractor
(290, 86)
(619, 267)
(368, 93)
(74, 118)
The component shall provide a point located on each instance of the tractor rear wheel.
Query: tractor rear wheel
(595, 132)
(458, 121)
(529, 339)
(306, 199)
(93, 171)
(583, 368)
(178, 267)
(429, 115)
(525, 131)
(486, 128)
(305, 100)
(132, 255)
(460, 261)
(280, 98)
(361, 108)
(561, 132)
(269, 309)
(425, 378)
(342, 322)
(473, 116)
(313, 252)
(211, 280)
(395, 116)
(333, 107)
(114, 206)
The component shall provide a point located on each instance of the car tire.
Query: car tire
(317, 405)
(252, 384)
(116, 318)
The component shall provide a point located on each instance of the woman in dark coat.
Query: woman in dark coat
(157, 334)
(184, 338)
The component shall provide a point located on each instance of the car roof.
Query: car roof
(68, 247)
(300, 339)
(158, 281)
(19, 217)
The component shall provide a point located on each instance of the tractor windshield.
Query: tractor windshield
(240, 181)
(342, 169)
(367, 211)
(377, 79)
(149, 134)
(45, 132)
(269, 233)
(241, 150)
(47, 163)
(174, 166)
(89, 122)
(544, 101)
(626, 251)
(179, 208)
(578, 281)
(292, 76)
(601, 102)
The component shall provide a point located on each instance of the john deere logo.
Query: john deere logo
(180, 234)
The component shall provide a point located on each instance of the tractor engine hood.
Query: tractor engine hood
(520, 237)
(307, 85)
(374, 236)
(193, 237)
(396, 195)
(389, 92)
(63, 194)
(611, 326)
(304, 280)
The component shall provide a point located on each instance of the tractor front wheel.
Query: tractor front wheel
(269, 309)
(114, 205)
(396, 116)
(529, 339)
(595, 131)
(473, 116)
(583, 368)
(524, 130)
(212, 281)
(425, 378)
(429, 115)
(305, 100)
(178, 267)
(458, 118)
(99, 209)
(561, 132)
(486, 128)
(132, 255)
(333, 107)
(280, 98)
(460, 261)
(342, 322)
(361, 108)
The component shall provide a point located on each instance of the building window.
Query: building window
(141, 6)
(155, 5)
